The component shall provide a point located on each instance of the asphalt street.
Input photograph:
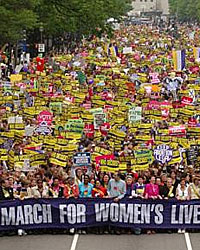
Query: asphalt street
(101, 242)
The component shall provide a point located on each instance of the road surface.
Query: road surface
(102, 242)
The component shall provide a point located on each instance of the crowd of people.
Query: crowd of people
(120, 105)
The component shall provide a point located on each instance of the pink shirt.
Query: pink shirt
(151, 190)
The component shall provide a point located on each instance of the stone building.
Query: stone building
(150, 6)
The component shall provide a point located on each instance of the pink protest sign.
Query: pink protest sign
(158, 105)
(154, 77)
(45, 116)
(177, 130)
(87, 105)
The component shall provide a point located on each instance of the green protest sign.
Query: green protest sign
(144, 154)
(56, 107)
(75, 125)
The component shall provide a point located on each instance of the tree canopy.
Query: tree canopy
(185, 10)
(57, 16)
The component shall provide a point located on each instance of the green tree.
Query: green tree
(16, 15)
(185, 10)
(79, 16)
(82, 17)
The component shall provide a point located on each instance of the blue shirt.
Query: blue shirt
(85, 191)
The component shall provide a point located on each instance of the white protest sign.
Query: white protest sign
(15, 119)
(41, 48)
(26, 166)
(18, 68)
(135, 114)
(99, 119)
(29, 130)
(127, 50)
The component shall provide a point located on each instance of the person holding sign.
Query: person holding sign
(139, 188)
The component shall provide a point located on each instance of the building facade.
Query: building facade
(148, 6)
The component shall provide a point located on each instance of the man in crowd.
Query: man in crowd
(116, 188)
(6, 192)
(116, 191)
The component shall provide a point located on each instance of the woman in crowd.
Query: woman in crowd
(71, 190)
(78, 176)
(129, 186)
(167, 191)
(98, 190)
(194, 189)
(100, 176)
(159, 183)
(139, 188)
(106, 179)
(85, 188)
(175, 182)
(152, 192)
(182, 191)
(56, 190)
(32, 184)
(182, 194)
(152, 189)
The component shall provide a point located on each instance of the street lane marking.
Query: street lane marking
(74, 242)
(188, 242)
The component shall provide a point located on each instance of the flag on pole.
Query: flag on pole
(106, 48)
(111, 50)
(114, 51)
(196, 54)
(81, 77)
(179, 59)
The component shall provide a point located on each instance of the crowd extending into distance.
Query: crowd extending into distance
(112, 118)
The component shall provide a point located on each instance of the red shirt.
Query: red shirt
(71, 190)
(99, 192)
